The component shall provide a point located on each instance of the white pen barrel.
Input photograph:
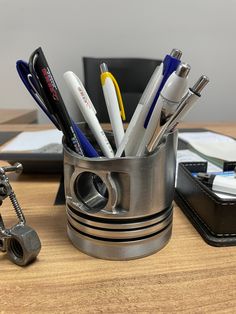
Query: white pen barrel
(100, 136)
(129, 132)
(152, 86)
(224, 184)
(136, 130)
(152, 126)
(83, 101)
(167, 103)
(113, 110)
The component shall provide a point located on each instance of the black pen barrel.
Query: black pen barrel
(54, 99)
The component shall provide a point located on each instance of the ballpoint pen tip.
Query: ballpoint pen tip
(103, 67)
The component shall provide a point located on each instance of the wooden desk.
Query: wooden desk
(13, 116)
(186, 276)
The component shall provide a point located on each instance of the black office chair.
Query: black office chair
(132, 75)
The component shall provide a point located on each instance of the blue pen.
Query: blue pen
(170, 64)
(28, 80)
(26, 77)
(88, 148)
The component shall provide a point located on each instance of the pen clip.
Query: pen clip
(34, 75)
(30, 79)
(38, 85)
(118, 93)
(41, 102)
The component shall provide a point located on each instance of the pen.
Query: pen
(87, 147)
(170, 64)
(136, 129)
(26, 77)
(88, 111)
(188, 100)
(53, 99)
(168, 100)
(29, 82)
(114, 103)
(219, 183)
(39, 95)
(173, 91)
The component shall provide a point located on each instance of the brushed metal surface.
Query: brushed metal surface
(120, 234)
(121, 208)
(120, 224)
(120, 251)
(136, 186)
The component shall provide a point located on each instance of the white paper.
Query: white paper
(186, 155)
(30, 141)
(211, 144)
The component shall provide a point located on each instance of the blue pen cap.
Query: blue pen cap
(170, 64)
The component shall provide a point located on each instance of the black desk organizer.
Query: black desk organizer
(213, 217)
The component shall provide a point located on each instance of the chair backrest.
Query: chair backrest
(132, 75)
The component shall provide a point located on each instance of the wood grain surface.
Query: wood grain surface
(13, 116)
(187, 276)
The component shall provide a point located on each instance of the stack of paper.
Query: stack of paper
(212, 146)
(34, 141)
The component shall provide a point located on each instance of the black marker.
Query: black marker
(49, 91)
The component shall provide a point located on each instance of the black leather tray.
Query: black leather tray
(213, 217)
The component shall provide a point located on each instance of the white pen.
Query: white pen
(192, 95)
(219, 182)
(170, 96)
(88, 111)
(136, 129)
(173, 91)
(136, 123)
(114, 103)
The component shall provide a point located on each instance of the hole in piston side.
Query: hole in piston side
(91, 190)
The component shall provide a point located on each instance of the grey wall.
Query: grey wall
(67, 30)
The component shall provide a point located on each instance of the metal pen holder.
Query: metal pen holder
(120, 208)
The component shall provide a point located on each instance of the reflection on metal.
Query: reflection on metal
(121, 208)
